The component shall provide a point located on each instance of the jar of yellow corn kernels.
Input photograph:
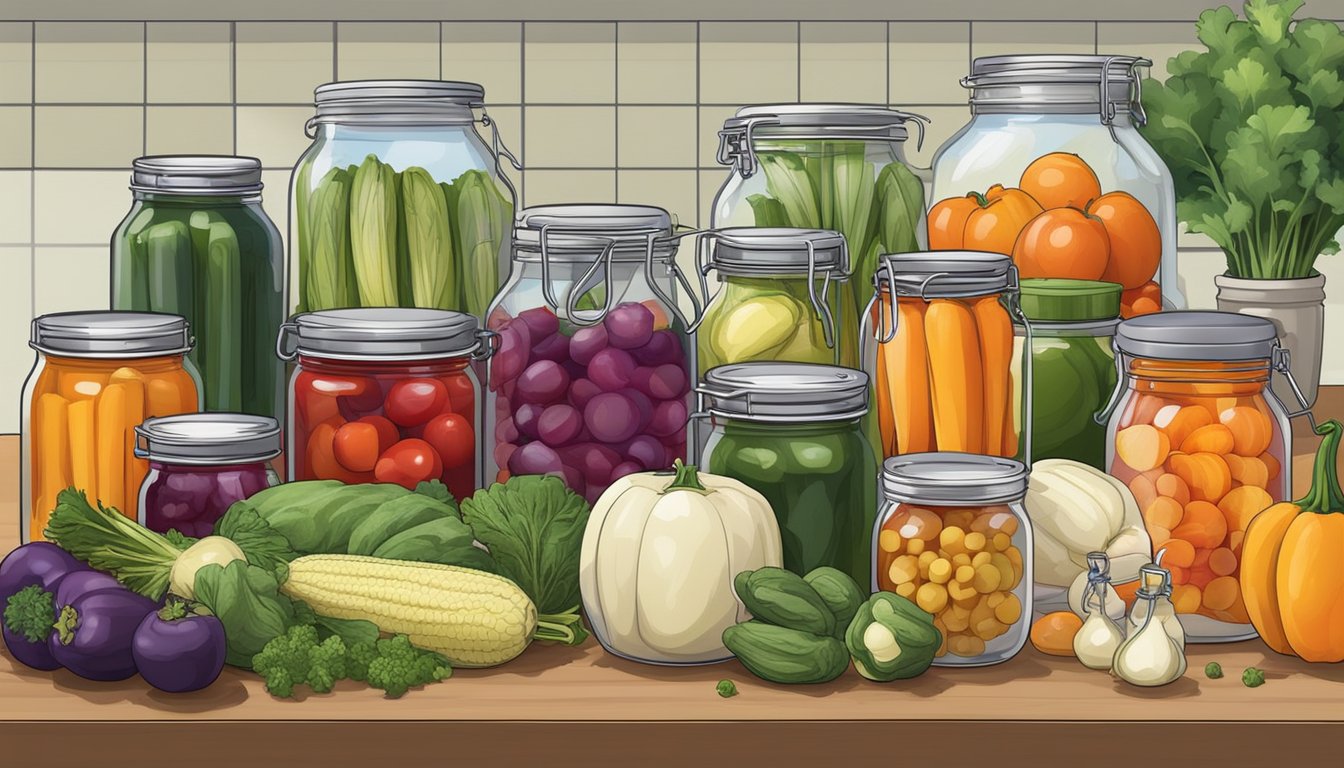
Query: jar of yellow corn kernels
(954, 538)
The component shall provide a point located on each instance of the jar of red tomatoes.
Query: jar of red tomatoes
(384, 395)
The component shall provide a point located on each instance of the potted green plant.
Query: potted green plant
(1252, 130)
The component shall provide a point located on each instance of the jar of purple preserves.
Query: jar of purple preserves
(200, 464)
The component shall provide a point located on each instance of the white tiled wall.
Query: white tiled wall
(598, 110)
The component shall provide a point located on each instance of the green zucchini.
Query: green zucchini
(169, 268)
(219, 336)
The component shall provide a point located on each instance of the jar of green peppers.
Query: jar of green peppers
(792, 432)
(197, 243)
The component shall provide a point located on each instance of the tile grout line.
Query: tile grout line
(522, 114)
(335, 52)
(439, 25)
(798, 62)
(144, 88)
(888, 59)
(699, 204)
(616, 110)
(32, 174)
(233, 80)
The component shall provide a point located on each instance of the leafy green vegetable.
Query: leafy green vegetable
(31, 613)
(373, 232)
(445, 540)
(106, 540)
(1213, 670)
(261, 544)
(787, 180)
(179, 539)
(318, 516)
(247, 600)
(766, 211)
(1252, 129)
(300, 656)
(399, 515)
(435, 489)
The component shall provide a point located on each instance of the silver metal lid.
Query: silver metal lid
(397, 101)
(1056, 83)
(1197, 335)
(111, 335)
(951, 478)
(777, 250)
(580, 232)
(947, 274)
(196, 175)
(785, 392)
(208, 438)
(380, 332)
(874, 120)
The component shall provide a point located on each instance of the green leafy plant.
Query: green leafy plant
(1252, 130)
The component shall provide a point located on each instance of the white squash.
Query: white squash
(658, 560)
(1076, 509)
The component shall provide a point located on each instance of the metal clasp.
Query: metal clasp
(287, 342)
(487, 344)
(1280, 362)
(497, 144)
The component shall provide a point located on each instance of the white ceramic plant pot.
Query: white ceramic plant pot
(1297, 309)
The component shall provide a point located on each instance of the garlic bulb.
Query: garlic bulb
(1150, 658)
(1096, 643)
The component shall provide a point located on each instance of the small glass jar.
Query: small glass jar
(954, 537)
(780, 298)
(384, 395)
(1073, 367)
(98, 376)
(1204, 445)
(200, 464)
(197, 243)
(792, 432)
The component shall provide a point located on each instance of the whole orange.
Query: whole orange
(1062, 242)
(1060, 180)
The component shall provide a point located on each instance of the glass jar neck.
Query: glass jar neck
(142, 364)
(371, 366)
(197, 201)
(788, 428)
(400, 127)
(249, 465)
(1238, 377)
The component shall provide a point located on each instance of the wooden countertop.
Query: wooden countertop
(571, 706)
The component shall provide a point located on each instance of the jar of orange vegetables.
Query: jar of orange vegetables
(947, 375)
(98, 376)
(1204, 445)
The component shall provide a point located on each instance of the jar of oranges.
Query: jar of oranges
(1059, 177)
(954, 537)
(1197, 435)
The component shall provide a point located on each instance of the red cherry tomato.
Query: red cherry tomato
(322, 458)
(388, 434)
(412, 402)
(461, 393)
(451, 437)
(355, 446)
(408, 462)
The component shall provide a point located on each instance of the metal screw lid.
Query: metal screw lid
(581, 231)
(208, 438)
(947, 274)
(777, 250)
(111, 335)
(389, 333)
(785, 392)
(1056, 84)
(196, 175)
(1197, 335)
(398, 101)
(949, 479)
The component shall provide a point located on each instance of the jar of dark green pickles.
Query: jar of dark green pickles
(1073, 367)
(792, 432)
(197, 243)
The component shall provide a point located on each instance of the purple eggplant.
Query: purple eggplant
(40, 564)
(178, 650)
(94, 632)
(81, 583)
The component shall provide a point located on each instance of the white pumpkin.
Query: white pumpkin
(658, 560)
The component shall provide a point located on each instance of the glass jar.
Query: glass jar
(836, 167)
(954, 537)
(200, 464)
(399, 201)
(592, 380)
(1204, 445)
(98, 376)
(1039, 125)
(384, 395)
(779, 298)
(1073, 367)
(947, 375)
(197, 243)
(792, 432)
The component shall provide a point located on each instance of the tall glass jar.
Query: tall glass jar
(384, 395)
(1204, 445)
(954, 537)
(399, 201)
(200, 464)
(837, 167)
(947, 375)
(197, 243)
(780, 298)
(592, 380)
(1053, 148)
(98, 375)
(792, 432)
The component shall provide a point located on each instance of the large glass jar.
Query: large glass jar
(1204, 445)
(837, 167)
(1059, 177)
(947, 375)
(399, 201)
(792, 432)
(384, 395)
(780, 298)
(954, 537)
(200, 464)
(592, 380)
(197, 243)
(98, 376)
(1072, 365)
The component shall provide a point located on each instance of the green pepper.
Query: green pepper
(890, 638)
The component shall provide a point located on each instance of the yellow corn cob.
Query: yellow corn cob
(472, 618)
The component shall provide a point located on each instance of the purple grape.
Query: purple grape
(535, 459)
(503, 452)
(623, 469)
(526, 420)
(611, 368)
(677, 438)
(540, 321)
(668, 381)
(581, 391)
(506, 431)
(587, 342)
(575, 370)
(663, 347)
(629, 325)
(647, 452)
(595, 461)
(509, 360)
(543, 382)
(668, 417)
(611, 417)
(642, 404)
(554, 347)
(559, 424)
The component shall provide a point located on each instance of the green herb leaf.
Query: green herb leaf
(247, 600)
(261, 544)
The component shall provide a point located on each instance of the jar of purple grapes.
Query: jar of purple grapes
(200, 464)
(592, 377)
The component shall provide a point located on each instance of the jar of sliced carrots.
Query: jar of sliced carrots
(1201, 441)
(947, 375)
(98, 376)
